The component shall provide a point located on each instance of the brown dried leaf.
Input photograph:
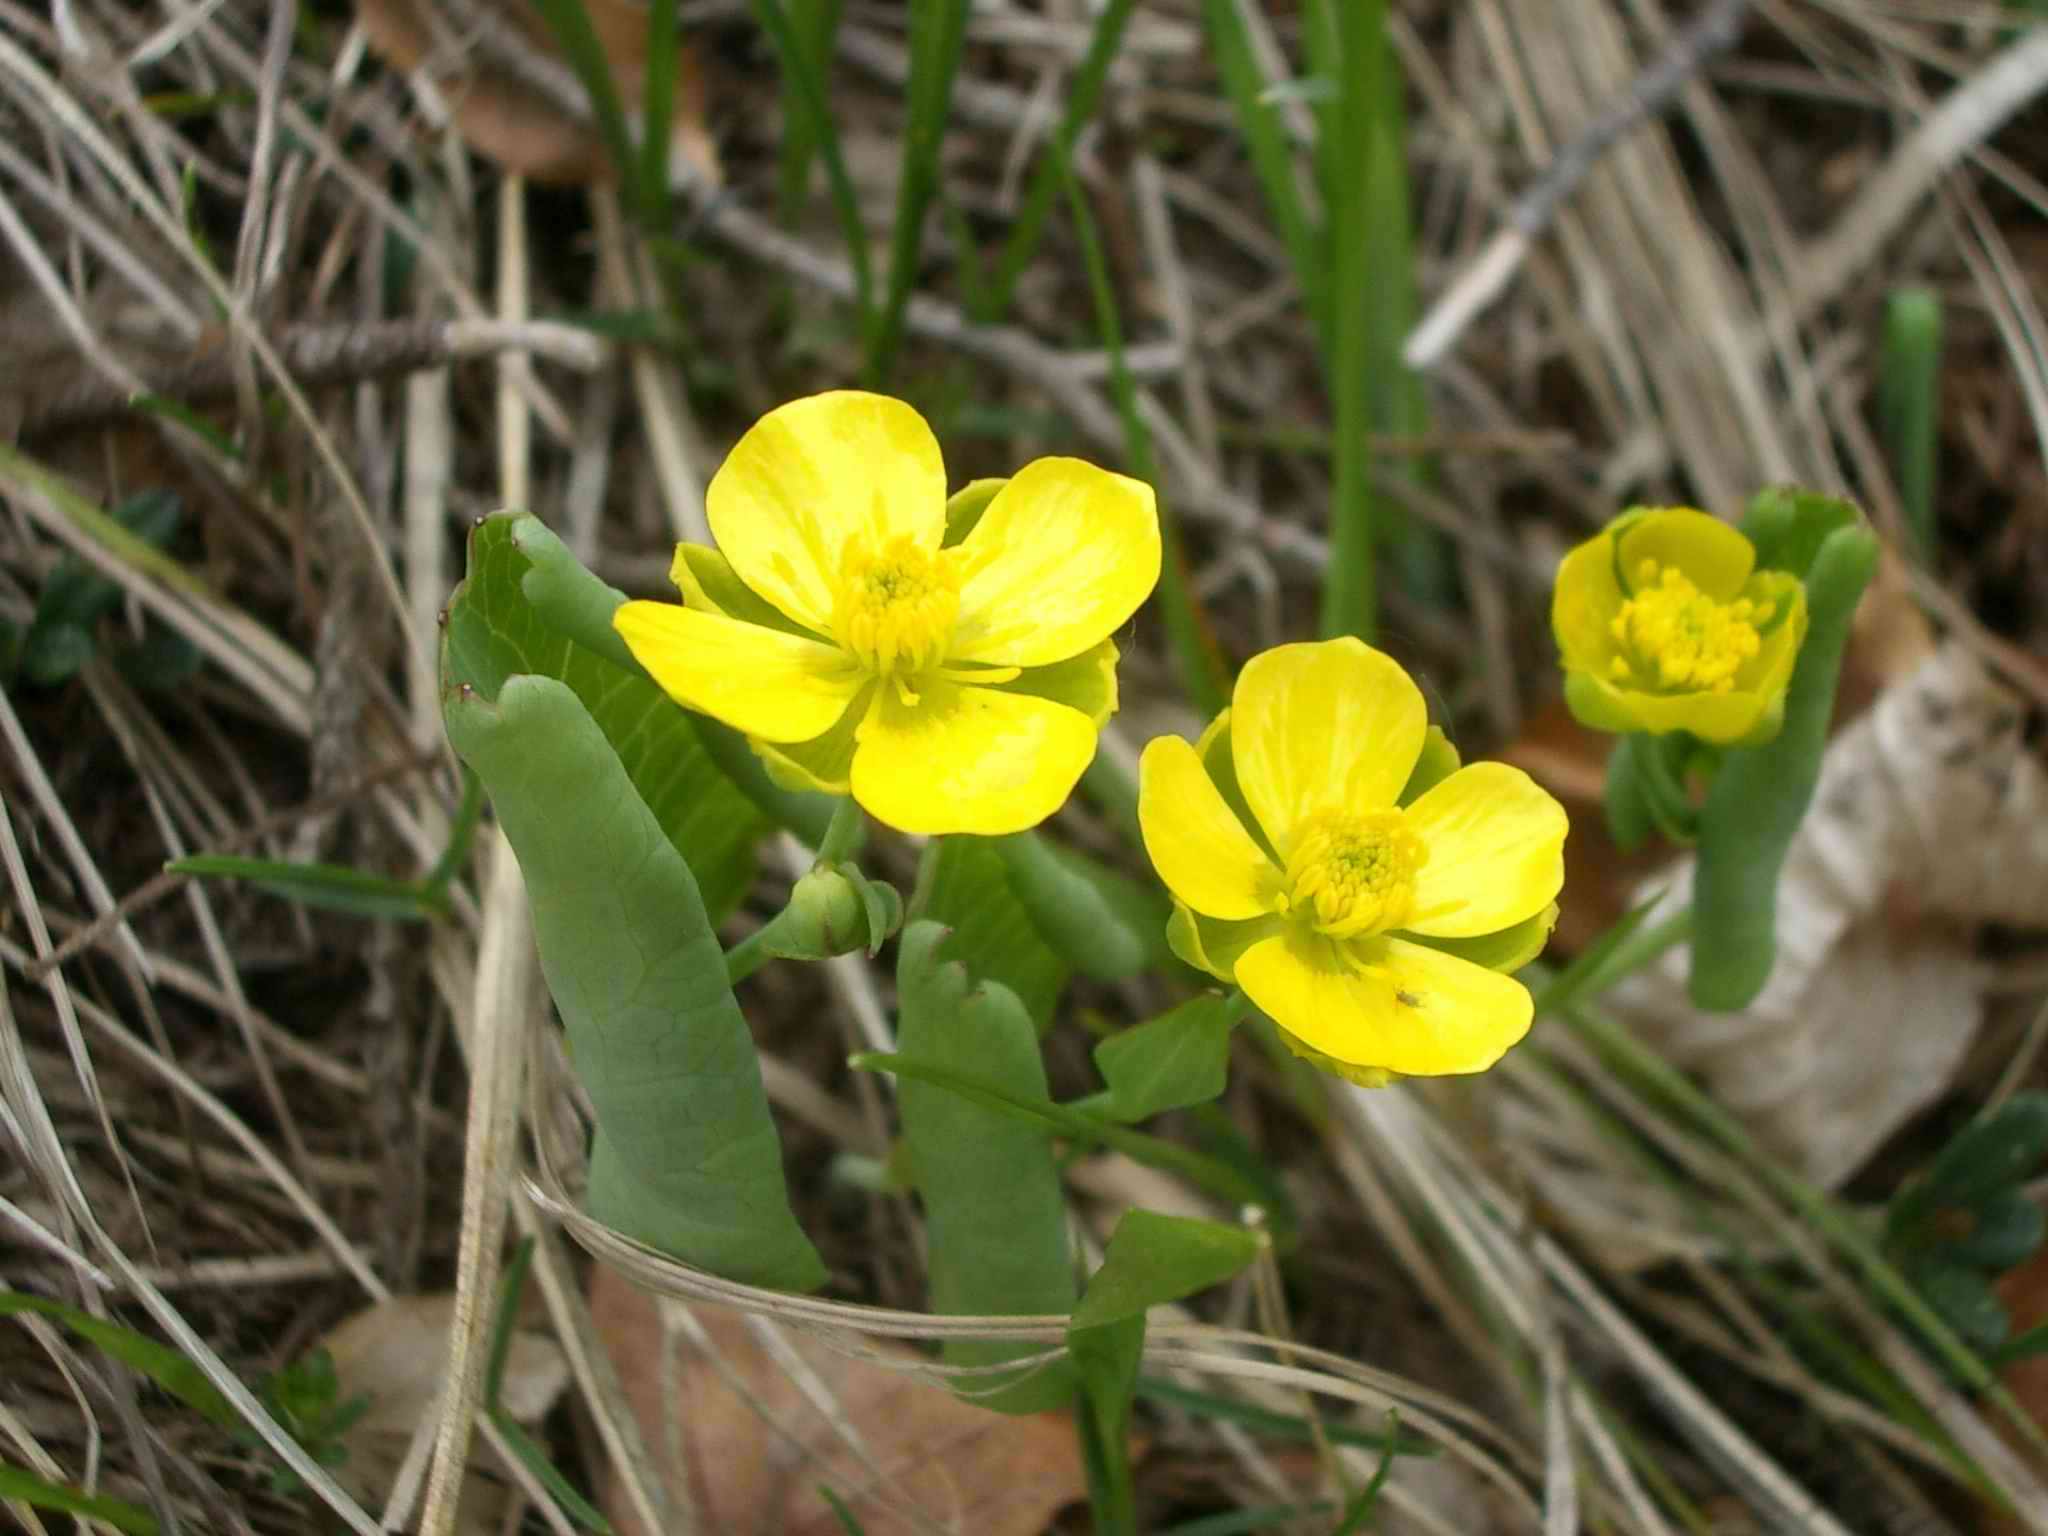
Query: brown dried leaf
(513, 99)
(396, 1354)
(1931, 818)
(747, 1449)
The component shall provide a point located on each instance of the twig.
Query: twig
(1713, 31)
(317, 356)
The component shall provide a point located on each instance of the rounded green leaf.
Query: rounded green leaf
(685, 1157)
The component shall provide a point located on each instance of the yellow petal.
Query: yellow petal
(1721, 718)
(813, 474)
(1061, 557)
(760, 681)
(1200, 848)
(1582, 606)
(1410, 1010)
(1496, 852)
(1713, 555)
(965, 759)
(1328, 725)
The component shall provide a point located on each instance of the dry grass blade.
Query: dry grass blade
(497, 1053)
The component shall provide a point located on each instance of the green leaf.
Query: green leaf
(1439, 760)
(2009, 1227)
(1071, 911)
(1108, 1358)
(1761, 793)
(335, 887)
(567, 597)
(1964, 1300)
(497, 630)
(1506, 951)
(1788, 525)
(1909, 402)
(166, 1367)
(1987, 1157)
(1153, 1259)
(2024, 1346)
(991, 1192)
(1177, 1059)
(1216, 1175)
(1630, 821)
(685, 1156)
(17, 1483)
(75, 596)
(963, 883)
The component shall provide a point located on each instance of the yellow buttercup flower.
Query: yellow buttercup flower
(1665, 624)
(948, 663)
(1327, 854)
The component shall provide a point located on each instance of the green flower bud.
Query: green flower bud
(834, 911)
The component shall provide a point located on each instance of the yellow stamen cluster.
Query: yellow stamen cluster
(1354, 874)
(1674, 636)
(896, 606)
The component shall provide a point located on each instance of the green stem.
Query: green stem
(1105, 1454)
(842, 836)
(750, 954)
(1669, 805)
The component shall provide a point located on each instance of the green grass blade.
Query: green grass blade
(1368, 1499)
(840, 1512)
(17, 1483)
(1346, 153)
(161, 1364)
(657, 106)
(807, 91)
(815, 24)
(938, 28)
(335, 887)
(1082, 97)
(570, 23)
(1201, 672)
(1272, 159)
(535, 1460)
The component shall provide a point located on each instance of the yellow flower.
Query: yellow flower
(947, 663)
(1665, 624)
(1326, 852)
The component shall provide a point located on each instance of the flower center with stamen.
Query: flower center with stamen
(1672, 635)
(1353, 874)
(896, 606)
